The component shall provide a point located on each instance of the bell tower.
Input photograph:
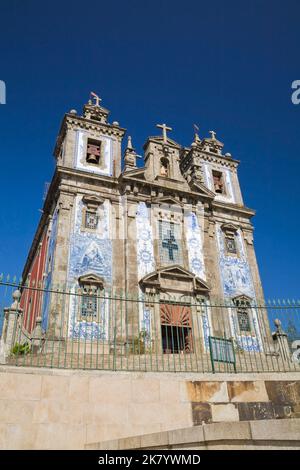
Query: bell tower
(162, 156)
(89, 143)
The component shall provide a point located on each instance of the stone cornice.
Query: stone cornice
(225, 206)
(165, 189)
(210, 157)
(71, 121)
(85, 175)
(78, 121)
(222, 160)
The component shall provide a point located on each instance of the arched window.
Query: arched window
(164, 167)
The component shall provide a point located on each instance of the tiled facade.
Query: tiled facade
(130, 227)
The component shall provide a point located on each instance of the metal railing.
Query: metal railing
(68, 328)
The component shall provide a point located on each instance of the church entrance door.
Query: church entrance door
(176, 328)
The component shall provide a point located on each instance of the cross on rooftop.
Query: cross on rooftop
(96, 98)
(164, 128)
(213, 134)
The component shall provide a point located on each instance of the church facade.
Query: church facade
(176, 228)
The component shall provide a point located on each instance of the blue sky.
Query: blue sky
(227, 66)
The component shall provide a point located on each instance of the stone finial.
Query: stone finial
(196, 135)
(213, 135)
(16, 298)
(278, 326)
(129, 143)
(130, 156)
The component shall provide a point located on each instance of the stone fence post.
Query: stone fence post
(10, 327)
(281, 341)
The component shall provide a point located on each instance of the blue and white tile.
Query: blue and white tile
(89, 253)
(194, 242)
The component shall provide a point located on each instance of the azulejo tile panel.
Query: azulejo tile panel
(89, 253)
(144, 236)
(194, 245)
(235, 271)
(237, 280)
(145, 258)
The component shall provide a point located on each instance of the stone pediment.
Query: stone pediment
(91, 279)
(242, 300)
(202, 189)
(159, 139)
(229, 228)
(172, 201)
(135, 173)
(90, 200)
(174, 278)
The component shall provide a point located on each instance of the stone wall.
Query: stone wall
(69, 409)
(281, 434)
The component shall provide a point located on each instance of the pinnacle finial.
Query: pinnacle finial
(196, 135)
(129, 143)
(213, 135)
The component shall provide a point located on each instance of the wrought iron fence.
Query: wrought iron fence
(98, 329)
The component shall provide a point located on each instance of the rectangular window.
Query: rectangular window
(230, 245)
(91, 220)
(93, 152)
(170, 243)
(88, 306)
(243, 320)
(219, 186)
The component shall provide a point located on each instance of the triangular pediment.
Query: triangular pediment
(91, 279)
(172, 201)
(159, 139)
(202, 189)
(92, 200)
(242, 299)
(173, 278)
(134, 173)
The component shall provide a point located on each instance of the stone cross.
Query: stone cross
(164, 128)
(96, 98)
(213, 135)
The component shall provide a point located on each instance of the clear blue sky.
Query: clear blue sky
(225, 65)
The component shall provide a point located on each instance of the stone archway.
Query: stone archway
(175, 289)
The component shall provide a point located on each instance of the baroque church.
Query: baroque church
(176, 228)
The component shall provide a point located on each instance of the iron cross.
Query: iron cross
(164, 128)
